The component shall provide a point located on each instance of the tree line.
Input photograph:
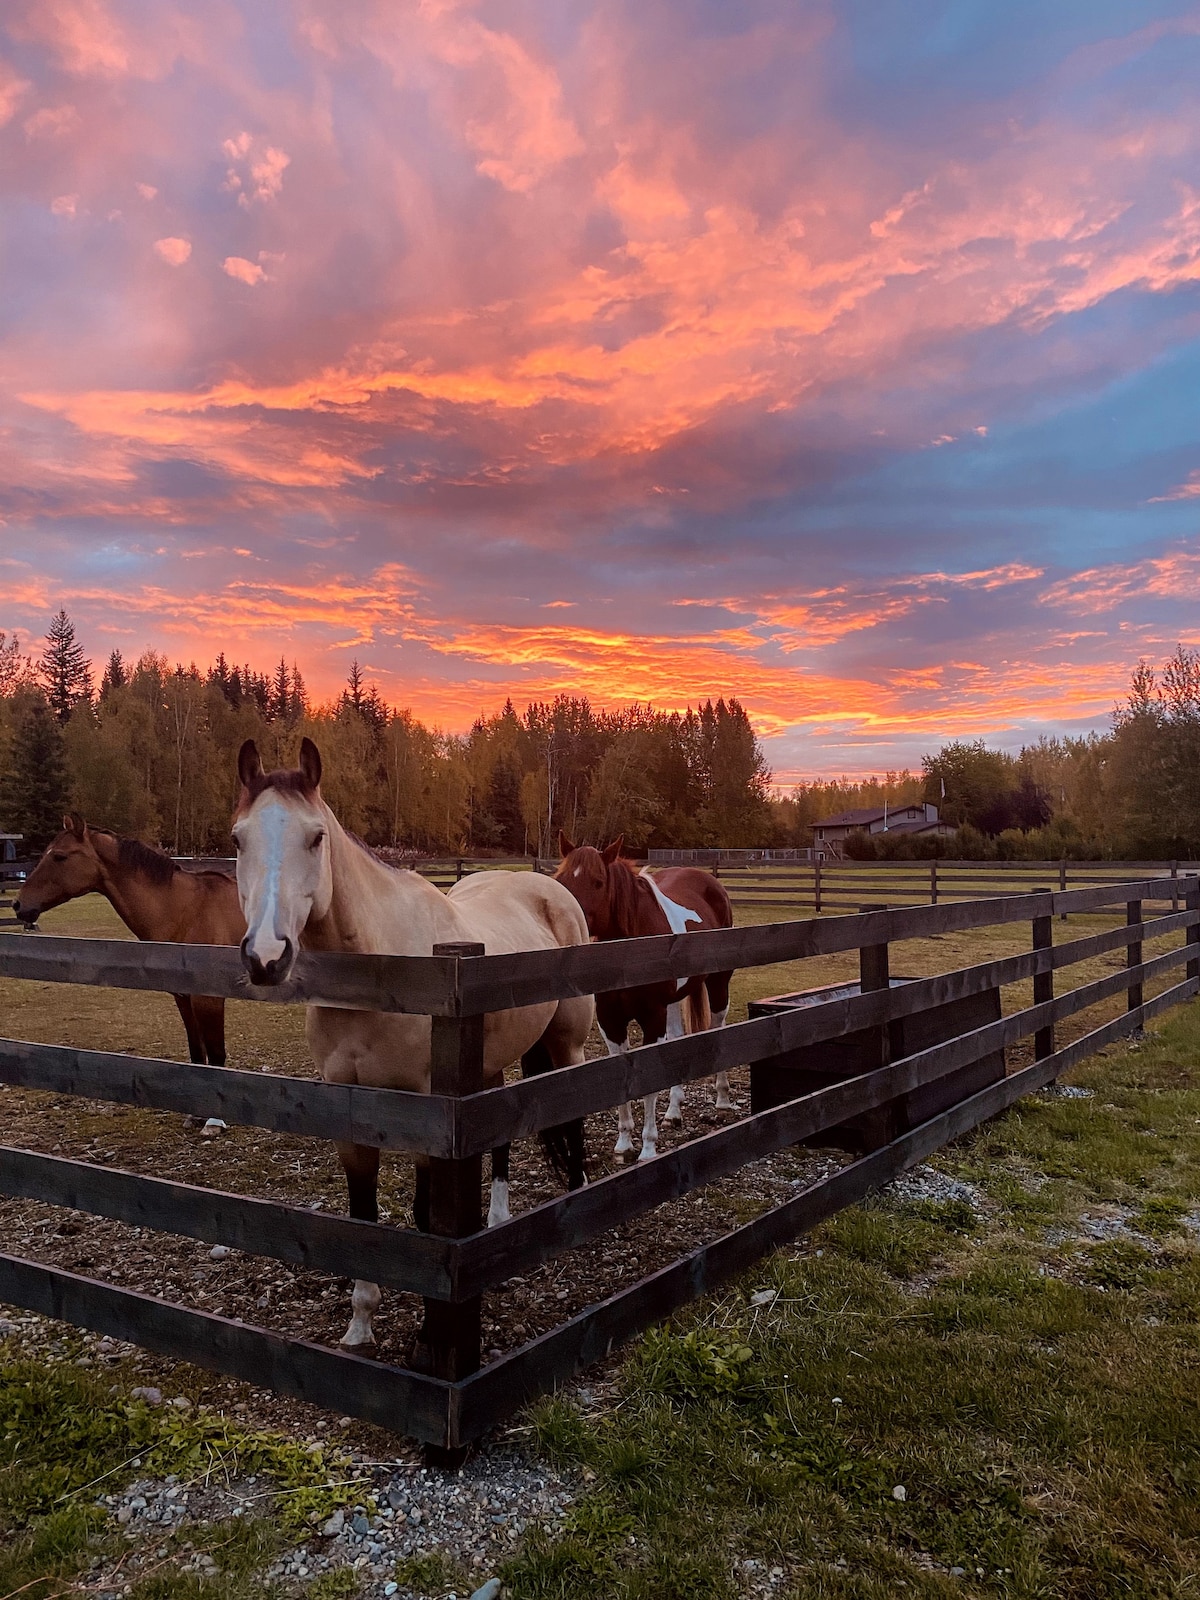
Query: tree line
(151, 752)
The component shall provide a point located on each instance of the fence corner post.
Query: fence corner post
(817, 886)
(1043, 982)
(1191, 902)
(454, 1327)
(1133, 957)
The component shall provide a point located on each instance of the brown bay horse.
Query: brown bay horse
(621, 901)
(154, 898)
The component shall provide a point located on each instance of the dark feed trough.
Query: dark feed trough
(892, 1068)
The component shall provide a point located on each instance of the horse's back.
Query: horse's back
(519, 911)
(698, 890)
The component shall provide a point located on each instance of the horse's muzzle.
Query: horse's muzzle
(268, 973)
(26, 914)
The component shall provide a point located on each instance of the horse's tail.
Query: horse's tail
(695, 1012)
(562, 1145)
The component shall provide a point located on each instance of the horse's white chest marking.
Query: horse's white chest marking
(677, 916)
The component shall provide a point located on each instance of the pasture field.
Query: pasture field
(1010, 1336)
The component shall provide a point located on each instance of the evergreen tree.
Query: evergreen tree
(354, 694)
(299, 695)
(64, 669)
(36, 789)
(115, 675)
(280, 703)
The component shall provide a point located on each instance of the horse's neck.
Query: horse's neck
(630, 900)
(148, 909)
(376, 909)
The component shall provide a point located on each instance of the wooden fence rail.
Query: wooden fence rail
(459, 1260)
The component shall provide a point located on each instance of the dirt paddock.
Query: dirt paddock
(250, 1161)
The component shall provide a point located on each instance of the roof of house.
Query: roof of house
(859, 819)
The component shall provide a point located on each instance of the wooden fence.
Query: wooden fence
(459, 1259)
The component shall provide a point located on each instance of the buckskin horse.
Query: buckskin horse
(307, 883)
(154, 898)
(621, 901)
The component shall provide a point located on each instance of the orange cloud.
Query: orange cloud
(244, 271)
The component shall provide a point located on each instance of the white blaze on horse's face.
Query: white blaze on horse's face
(284, 877)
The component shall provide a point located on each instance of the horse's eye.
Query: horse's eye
(58, 857)
(317, 841)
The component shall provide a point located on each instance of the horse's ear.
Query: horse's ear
(249, 763)
(565, 846)
(74, 823)
(612, 851)
(310, 763)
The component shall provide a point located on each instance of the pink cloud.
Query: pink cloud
(173, 251)
(52, 122)
(244, 271)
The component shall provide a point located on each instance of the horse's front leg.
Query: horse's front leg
(498, 1208)
(360, 1162)
(624, 1144)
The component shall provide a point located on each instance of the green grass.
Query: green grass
(1036, 1400)
(66, 1438)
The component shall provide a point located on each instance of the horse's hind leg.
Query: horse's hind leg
(624, 1142)
(360, 1162)
(675, 1030)
(718, 1003)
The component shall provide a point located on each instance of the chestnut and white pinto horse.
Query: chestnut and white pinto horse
(621, 901)
(305, 883)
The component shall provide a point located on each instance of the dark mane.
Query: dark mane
(624, 892)
(151, 863)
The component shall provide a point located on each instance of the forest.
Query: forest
(150, 751)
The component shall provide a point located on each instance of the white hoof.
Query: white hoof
(623, 1145)
(648, 1152)
(674, 1114)
(358, 1336)
(725, 1101)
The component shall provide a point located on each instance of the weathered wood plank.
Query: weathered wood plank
(493, 983)
(420, 984)
(539, 1234)
(406, 1402)
(390, 1118)
(417, 1262)
(520, 1109)
(501, 1388)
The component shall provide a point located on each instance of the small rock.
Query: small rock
(334, 1525)
(218, 1252)
(958, 1572)
(212, 1128)
(763, 1297)
(360, 1525)
(488, 1591)
(152, 1397)
(124, 1514)
(899, 1492)
(181, 1403)
(390, 1588)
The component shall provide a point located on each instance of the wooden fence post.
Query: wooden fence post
(1174, 886)
(933, 900)
(1062, 882)
(1043, 982)
(1191, 901)
(453, 1328)
(817, 886)
(1133, 954)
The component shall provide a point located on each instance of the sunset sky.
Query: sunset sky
(844, 357)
